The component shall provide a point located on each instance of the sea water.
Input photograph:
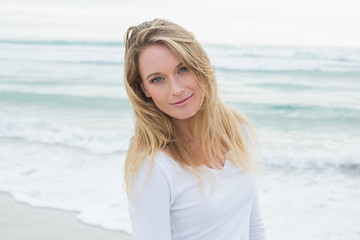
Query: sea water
(66, 123)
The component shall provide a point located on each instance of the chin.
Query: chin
(184, 116)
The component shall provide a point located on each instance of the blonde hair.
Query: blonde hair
(217, 128)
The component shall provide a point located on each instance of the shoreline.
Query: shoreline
(19, 221)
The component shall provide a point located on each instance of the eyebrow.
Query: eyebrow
(156, 73)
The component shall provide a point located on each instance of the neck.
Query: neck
(184, 126)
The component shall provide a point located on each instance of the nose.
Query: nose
(176, 86)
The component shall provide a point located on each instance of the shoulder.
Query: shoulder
(152, 176)
(164, 162)
(161, 175)
(156, 164)
(160, 165)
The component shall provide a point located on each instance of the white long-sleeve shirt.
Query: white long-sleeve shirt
(169, 205)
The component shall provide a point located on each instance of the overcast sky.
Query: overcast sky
(240, 22)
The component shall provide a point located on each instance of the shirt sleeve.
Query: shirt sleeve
(257, 228)
(149, 207)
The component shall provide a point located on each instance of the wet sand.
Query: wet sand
(19, 221)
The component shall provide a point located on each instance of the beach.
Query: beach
(19, 221)
(66, 122)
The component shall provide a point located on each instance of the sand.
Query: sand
(20, 221)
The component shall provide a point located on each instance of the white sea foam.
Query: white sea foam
(92, 140)
(310, 204)
(69, 179)
(91, 184)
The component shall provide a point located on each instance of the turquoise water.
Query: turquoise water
(65, 126)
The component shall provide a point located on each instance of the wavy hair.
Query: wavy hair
(218, 130)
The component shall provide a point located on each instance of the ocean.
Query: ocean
(65, 126)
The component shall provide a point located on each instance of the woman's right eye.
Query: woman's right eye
(155, 80)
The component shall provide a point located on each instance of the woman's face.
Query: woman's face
(172, 87)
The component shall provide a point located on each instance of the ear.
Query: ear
(144, 91)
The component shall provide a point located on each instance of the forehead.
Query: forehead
(157, 58)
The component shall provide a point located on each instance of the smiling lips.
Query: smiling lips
(182, 102)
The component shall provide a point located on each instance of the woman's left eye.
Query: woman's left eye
(183, 69)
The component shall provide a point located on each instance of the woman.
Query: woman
(187, 168)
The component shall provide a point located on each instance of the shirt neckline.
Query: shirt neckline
(215, 169)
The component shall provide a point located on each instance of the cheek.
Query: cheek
(159, 99)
